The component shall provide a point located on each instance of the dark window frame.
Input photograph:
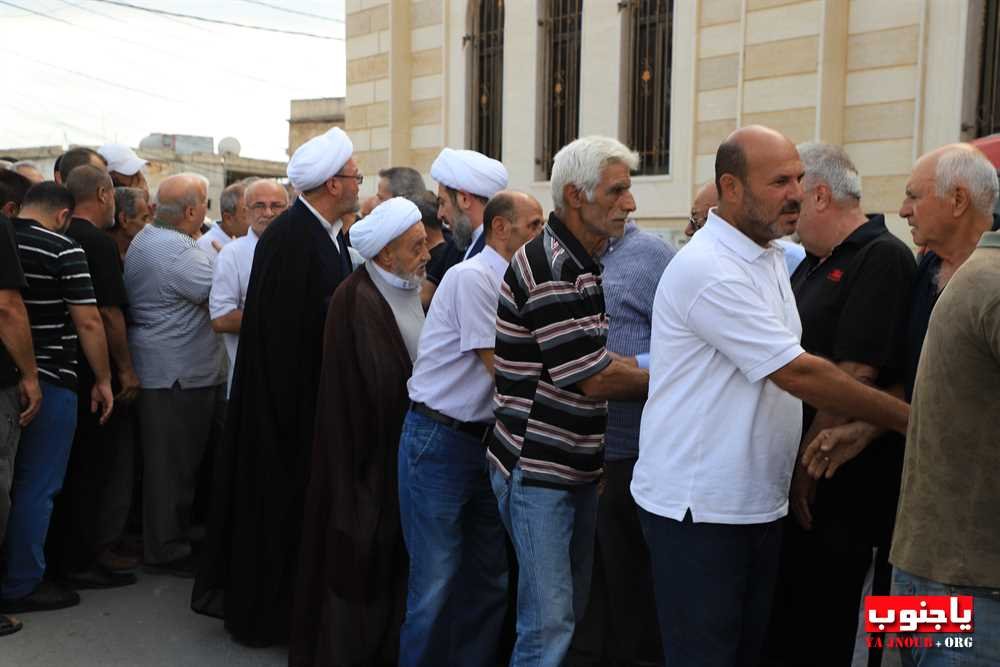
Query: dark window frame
(485, 82)
(988, 106)
(561, 25)
(648, 61)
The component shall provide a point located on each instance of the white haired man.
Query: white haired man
(853, 296)
(554, 376)
(234, 223)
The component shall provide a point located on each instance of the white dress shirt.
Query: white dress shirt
(448, 375)
(718, 437)
(331, 229)
(214, 233)
(230, 279)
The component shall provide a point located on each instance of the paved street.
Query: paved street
(146, 625)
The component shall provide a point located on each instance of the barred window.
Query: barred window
(988, 109)
(485, 40)
(561, 25)
(648, 47)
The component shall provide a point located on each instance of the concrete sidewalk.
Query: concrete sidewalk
(149, 624)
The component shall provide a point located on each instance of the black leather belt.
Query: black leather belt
(477, 430)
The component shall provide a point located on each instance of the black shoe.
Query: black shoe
(46, 597)
(9, 625)
(98, 577)
(186, 567)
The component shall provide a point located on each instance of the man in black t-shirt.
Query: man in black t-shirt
(20, 394)
(444, 253)
(853, 296)
(73, 545)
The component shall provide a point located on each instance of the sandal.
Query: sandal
(9, 625)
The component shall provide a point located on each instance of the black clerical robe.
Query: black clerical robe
(247, 571)
(351, 592)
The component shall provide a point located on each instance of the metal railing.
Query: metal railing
(485, 91)
(648, 55)
(988, 109)
(560, 108)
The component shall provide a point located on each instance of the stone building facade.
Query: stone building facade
(889, 80)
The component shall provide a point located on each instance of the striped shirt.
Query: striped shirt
(55, 268)
(168, 279)
(551, 335)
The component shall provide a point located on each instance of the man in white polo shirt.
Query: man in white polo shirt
(721, 428)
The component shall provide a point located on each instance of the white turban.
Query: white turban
(387, 221)
(470, 172)
(315, 161)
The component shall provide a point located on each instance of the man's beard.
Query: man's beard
(755, 219)
(461, 229)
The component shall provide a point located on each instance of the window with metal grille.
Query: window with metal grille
(648, 42)
(560, 23)
(485, 40)
(988, 110)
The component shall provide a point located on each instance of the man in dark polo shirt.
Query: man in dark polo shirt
(74, 544)
(853, 296)
(554, 376)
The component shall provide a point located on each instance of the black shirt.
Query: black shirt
(443, 257)
(106, 274)
(11, 277)
(854, 306)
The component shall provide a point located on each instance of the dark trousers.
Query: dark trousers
(10, 433)
(713, 584)
(619, 627)
(122, 432)
(74, 540)
(175, 425)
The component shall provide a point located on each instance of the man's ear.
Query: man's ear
(960, 201)
(823, 196)
(64, 216)
(573, 196)
(10, 210)
(731, 188)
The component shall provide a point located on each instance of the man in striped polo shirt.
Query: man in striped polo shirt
(61, 304)
(554, 376)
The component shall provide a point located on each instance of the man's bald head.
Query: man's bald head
(706, 198)
(757, 175)
(182, 201)
(94, 194)
(510, 220)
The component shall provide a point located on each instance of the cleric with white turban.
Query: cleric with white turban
(387, 221)
(469, 171)
(318, 159)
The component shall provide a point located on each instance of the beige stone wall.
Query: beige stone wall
(367, 114)
(312, 117)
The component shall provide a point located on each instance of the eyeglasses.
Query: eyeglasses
(262, 206)
(358, 177)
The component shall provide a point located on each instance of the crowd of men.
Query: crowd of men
(445, 429)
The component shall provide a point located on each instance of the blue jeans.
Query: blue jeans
(457, 592)
(985, 649)
(714, 586)
(39, 470)
(553, 534)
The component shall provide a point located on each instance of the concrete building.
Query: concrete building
(889, 80)
(311, 118)
(170, 154)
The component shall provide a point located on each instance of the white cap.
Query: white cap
(470, 172)
(315, 161)
(121, 159)
(387, 221)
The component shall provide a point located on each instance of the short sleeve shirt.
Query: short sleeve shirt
(718, 438)
(11, 278)
(443, 257)
(58, 277)
(103, 260)
(448, 375)
(551, 334)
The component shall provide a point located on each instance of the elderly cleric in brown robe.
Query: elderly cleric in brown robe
(251, 550)
(350, 596)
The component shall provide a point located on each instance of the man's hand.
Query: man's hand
(216, 246)
(631, 361)
(101, 397)
(31, 398)
(801, 497)
(836, 446)
(130, 386)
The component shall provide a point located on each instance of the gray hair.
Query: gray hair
(832, 166)
(172, 212)
(971, 169)
(404, 181)
(127, 200)
(581, 163)
(231, 196)
(25, 163)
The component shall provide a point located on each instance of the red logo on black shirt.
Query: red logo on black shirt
(835, 276)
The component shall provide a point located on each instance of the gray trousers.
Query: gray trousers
(174, 427)
(10, 433)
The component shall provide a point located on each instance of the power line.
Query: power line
(163, 12)
(186, 24)
(292, 11)
(32, 11)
